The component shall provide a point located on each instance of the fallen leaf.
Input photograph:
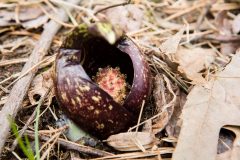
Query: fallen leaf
(129, 18)
(189, 62)
(193, 61)
(131, 141)
(208, 108)
(224, 156)
(174, 125)
(165, 99)
(236, 24)
(170, 46)
(169, 49)
(40, 86)
(225, 27)
(229, 48)
(222, 23)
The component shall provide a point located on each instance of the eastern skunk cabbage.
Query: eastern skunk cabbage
(101, 79)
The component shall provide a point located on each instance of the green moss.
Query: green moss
(79, 32)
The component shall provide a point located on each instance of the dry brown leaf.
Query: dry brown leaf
(131, 141)
(40, 86)
(208, 108)
(222, 23)
(165, 99)
(226, 27)
(129, 18)
(170, 46)
(236, 24)
(224, 156)
(192, 61)
(189, 61)
(229, 48)
(174, 125)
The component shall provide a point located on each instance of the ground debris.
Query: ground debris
(192, 48)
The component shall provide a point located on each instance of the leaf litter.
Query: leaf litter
(191, 47)
(203, 117)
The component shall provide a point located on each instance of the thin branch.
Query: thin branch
(222, 38)
(112, 6)
(73, 146)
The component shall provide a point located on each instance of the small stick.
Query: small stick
(19, 90)
(4, 89)
(222, 38)
(204, 13)
(112, 6)
(13, 61)
(73, 146)
(185, 11)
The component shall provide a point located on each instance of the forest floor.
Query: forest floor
(192, 50)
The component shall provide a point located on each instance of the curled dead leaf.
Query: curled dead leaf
(174, 125)
(170, 46)
(189, 62)
(131, 141)
(165, 99)
(39, 87)
(193, 61)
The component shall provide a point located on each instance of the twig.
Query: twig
(185, 11)
(222, 38)
(55, 138)
(13, 61)
(140, 115)
(204, 13)
(73, 146)
(4, 89)
(87, 11)
(35, 67)
(54, 18)
(112, 6)
(19, 90)
(138, 155)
